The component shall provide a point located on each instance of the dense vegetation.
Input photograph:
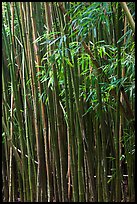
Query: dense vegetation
(68, 100)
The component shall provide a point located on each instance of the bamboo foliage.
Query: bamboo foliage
(68, 101)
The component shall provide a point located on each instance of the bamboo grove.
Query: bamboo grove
(68, 101)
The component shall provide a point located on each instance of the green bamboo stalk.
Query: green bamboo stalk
(80, 166)
(117, 126)
(70, 114)
(103, 133)
(98, 162)
(5, 182)
(10, 162)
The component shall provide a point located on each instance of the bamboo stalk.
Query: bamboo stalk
(118, 192)
(128, 14)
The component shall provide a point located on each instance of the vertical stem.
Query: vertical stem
(10, 162)
(117, 128)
